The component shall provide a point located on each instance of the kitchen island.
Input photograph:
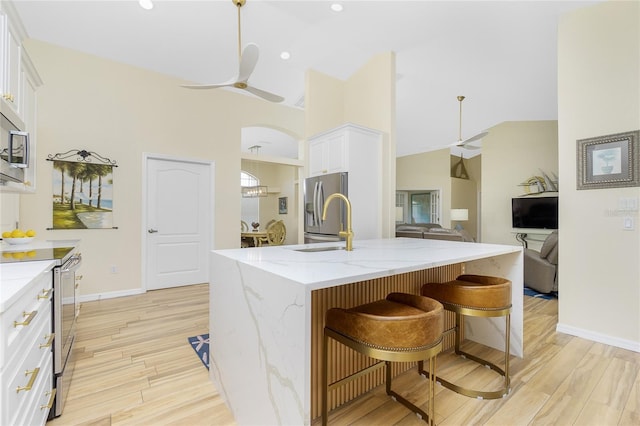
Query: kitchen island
(268, 305)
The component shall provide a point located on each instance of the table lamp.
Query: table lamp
(459, 215)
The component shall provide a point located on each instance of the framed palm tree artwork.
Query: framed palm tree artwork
(82, 195)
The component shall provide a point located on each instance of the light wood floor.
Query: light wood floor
(137, 368)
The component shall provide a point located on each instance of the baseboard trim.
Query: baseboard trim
(110, 295)
(598, 337)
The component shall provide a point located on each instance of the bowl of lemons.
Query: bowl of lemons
(18, 236)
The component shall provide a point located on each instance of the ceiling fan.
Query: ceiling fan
(465, 143)
(248, 58)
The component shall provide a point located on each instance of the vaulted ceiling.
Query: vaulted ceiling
(501, 55)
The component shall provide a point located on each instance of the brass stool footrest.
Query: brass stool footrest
(499, 393)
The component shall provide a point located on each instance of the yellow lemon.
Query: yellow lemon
(18, 254)
(6, 234)
(7, 255)
(31, 253)
(17, 233)
(31, 233)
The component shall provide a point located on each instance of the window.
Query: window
(247, 179)
(249, 207)
(418, 206)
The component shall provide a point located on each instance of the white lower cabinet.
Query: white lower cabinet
(26, 356)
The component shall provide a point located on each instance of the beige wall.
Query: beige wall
(121, 112)
(367, 98)
(512, 153)
(464, 195)
(429, 170)
(599, 94)
(283, 179)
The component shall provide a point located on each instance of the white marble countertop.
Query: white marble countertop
(369, 259)
(15, 277)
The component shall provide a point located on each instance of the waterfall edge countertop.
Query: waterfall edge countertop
(265, 321)
(369, 259)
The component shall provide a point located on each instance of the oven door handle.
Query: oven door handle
(72, 264)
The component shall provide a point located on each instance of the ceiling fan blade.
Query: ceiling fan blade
(474, 138)
(469, 147)
(264, 95)
(208, 86)
(248, 61)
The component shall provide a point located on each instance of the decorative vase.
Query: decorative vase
(255, 226)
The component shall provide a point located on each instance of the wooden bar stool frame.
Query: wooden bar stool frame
(386, 356)
(458, 329)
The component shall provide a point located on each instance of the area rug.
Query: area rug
(547, 296)
(200, 344)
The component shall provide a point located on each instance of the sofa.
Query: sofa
(541, 268)
(432, 231)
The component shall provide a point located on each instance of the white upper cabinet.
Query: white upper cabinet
(358, 151)
(12, 79)
(328, 155)
(19, 81)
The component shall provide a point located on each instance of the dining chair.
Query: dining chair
(276, 234)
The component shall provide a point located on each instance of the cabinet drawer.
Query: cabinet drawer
(27, 371)
(36, 411)
(23, 317)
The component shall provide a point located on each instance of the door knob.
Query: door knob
(152, 231)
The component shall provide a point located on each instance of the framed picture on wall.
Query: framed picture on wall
(282, 205)
(609, 161)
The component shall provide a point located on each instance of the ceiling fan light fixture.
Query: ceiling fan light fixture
(247, 58)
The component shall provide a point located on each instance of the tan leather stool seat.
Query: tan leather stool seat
(401, 328)
(472, 291)
(399, 322)
(478, 296)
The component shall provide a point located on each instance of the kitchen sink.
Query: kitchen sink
(315, 249)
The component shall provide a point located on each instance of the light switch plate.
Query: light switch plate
(628, 224)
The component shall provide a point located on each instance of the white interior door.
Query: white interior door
(178, 222)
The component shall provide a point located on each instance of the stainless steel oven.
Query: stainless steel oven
(64, 326)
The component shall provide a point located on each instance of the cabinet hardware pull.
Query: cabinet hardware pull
(78, 277)
(45, 294)
(30, 316)
(34, 374)
(49, 341)
(52, 398)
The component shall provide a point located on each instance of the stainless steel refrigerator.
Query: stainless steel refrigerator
(316, 191)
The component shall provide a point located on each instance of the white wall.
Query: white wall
(599, 94)
(121, 112)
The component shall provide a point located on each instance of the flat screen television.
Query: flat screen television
(534, 212)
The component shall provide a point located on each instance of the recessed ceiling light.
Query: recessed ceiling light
(336, 7)
(285, 55)
(146, 4)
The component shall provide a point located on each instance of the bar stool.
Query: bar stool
(475, 296)
(401, 328)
